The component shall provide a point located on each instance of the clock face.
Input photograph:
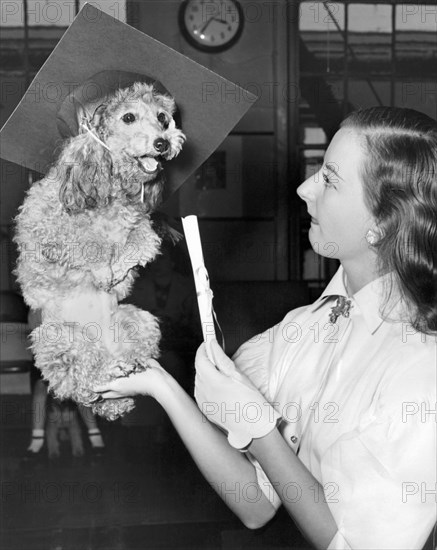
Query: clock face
(211, 25)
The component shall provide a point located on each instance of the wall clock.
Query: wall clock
(211, 26)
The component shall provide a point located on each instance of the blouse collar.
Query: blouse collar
(369, 299)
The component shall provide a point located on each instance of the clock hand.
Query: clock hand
(206, 24)
(223, 21)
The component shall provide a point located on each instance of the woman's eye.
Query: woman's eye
(128, 118)
(326, 180)
(162, 119)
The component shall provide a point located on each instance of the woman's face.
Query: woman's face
(335, 200)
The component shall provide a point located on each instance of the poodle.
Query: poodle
(81, 231)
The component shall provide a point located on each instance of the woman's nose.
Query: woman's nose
(306, 189)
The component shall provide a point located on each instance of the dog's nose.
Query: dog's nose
(161, 145)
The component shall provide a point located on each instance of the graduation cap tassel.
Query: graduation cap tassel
(93, 135)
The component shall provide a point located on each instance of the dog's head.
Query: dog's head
(121, 149)
(138, 121)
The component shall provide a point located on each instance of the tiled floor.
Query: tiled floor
(140, 495)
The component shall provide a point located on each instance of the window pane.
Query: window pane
(365, 93)
(314, 16)
(416, 39)
(375, 18)
(313, 135)
(312, 161)
(369, 38)
(47, 22)
(322, 44)
(114, 8)
(321, 103)
(416, 17)
(53, 13)
(419, 95)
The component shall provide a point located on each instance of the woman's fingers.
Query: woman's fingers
(108, 390)
(110, 395)
(102, 388)
(133, 384)
(153, 363)
(125, 386)
(202, 362)
(222, 361)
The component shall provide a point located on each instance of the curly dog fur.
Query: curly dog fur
(80, 232)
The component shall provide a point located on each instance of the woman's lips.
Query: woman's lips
(314, 221)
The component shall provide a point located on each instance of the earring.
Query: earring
(371, 238)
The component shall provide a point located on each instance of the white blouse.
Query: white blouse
(358, 401)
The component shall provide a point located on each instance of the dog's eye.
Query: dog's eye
(128, 118)
(162, 119)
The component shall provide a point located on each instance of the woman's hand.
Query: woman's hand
(229, 399)
(148, 382)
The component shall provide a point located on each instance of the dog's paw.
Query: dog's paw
(139, 367)
(111, 409)
(122, 368)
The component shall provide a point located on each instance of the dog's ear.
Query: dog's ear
(82, 116)
(97, 115)
(85, 169)
(88, 117)
(166, 101)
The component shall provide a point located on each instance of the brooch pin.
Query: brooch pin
(342, 307)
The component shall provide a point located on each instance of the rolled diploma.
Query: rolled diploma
(201, 280)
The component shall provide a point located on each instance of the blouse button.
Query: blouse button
(293, 439)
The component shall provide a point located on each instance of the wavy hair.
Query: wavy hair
(399, 176)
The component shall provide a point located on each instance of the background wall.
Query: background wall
(238, 221)
(310, 63)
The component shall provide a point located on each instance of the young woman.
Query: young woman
(331, 413)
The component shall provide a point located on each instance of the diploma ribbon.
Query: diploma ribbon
(201, 280)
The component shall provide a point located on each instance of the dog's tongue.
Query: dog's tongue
(150, 164)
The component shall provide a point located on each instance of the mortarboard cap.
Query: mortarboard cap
(97, 54)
